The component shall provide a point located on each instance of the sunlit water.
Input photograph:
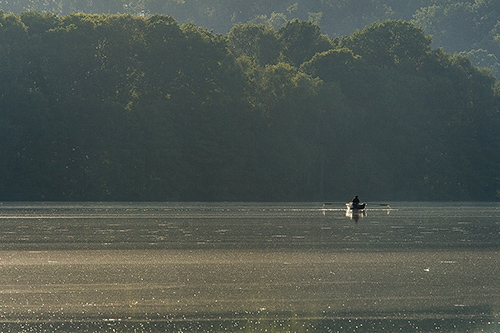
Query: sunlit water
(249, 267)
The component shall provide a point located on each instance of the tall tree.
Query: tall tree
(301, 40)
(258, 42)
(390, 44)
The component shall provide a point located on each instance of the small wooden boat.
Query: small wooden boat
(355, 206)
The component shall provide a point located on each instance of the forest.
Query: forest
(125, 107)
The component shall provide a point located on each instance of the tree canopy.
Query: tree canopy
(466, 26)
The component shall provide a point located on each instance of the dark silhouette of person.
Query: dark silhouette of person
(355, 201)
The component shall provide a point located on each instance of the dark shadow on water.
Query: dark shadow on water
(469, 319)
(266, 325)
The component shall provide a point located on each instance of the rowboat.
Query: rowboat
(355, 206)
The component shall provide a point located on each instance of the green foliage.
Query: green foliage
(301, 41)
(257, 42)
(463, 26)
(456, 25)
(390, 44)
(128, 107)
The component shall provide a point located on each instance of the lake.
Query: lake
(411, 267)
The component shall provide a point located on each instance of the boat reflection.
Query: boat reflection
(355, 214)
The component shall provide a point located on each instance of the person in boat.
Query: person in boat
(355, 201)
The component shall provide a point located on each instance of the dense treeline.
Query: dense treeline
(468, 26)
(124, 107)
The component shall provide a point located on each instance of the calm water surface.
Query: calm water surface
(411, 267)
